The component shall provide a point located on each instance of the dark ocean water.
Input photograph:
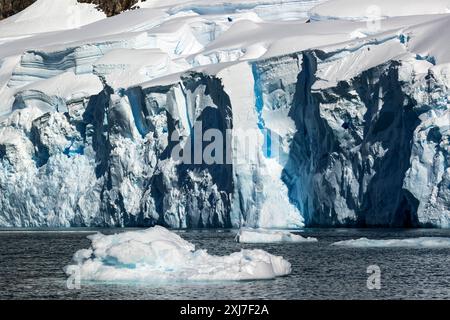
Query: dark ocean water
(31, 267)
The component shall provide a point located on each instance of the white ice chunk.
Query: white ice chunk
(423, 242)
(247, 235)
(157, 254)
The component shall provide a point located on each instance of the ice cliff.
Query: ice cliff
(325, 123)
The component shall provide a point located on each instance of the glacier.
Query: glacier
(324, 121)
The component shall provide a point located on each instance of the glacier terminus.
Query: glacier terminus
(315, 113)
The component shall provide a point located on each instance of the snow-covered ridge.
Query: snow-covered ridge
(158, 255)
(357, 116)
(377, 9)
(48, 16)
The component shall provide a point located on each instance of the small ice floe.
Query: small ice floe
(248, 235)
(423, 242)
(157, 254)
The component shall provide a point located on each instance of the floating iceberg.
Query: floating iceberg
(423, 242)
(246, 235)
(157, 254)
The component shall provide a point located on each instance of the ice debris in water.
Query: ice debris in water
(248, 235)
(423, 242)
(157, 254)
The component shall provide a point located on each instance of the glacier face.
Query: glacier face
(103, 129)
(114, 150)
(372, 150)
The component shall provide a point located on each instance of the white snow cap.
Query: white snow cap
(157, 254)
(424, 242)
(247, 235)
(49, 15)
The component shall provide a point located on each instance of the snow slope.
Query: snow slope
(362, 10)
(47, 16)
(336, 122)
